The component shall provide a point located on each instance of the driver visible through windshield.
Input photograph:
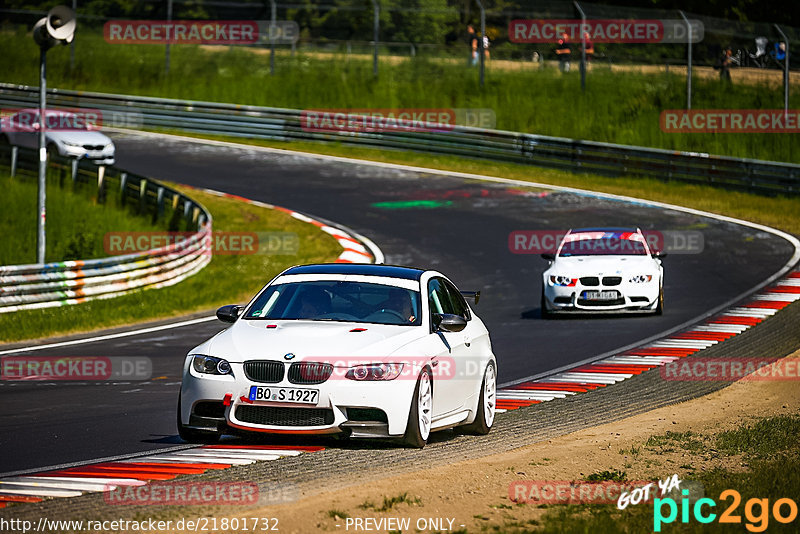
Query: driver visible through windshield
(358, 302)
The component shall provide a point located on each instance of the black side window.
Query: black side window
(457, 300)
(439, 298)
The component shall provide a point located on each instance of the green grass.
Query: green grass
(616, 475)
(670, 441)
(774, 474)
(617, 107)
(69, 237)
(228, 279)
(390, 502)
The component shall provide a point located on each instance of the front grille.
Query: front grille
(639, 299)
(590, 281)
(93, 147)
(612, 280)
(268, 415)
(309, 372)
(616, 302)
(267, 372)
(563, 300)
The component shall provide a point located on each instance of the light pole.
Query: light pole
(58, 27)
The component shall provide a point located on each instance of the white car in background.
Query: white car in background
(368, 351)
(603, 270)
(68, 135)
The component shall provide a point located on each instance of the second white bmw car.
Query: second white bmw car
(603, 270)
(364, 350)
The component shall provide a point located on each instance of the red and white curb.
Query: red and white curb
(138, 471)
(356, 249)
(619, 367)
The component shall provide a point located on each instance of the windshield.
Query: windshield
(612, 245)
(357, 302)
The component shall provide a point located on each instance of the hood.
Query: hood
(79, 137)
(604, 265)
(247, 340)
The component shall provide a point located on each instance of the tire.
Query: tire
(191, 435)
(487, 401)
(419, 416)
(545, 313)
(660, 305)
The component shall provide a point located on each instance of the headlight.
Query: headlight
(377, 371)
(210, 365)
(563, 281)
(640, 278)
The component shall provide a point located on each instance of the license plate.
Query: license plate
(600, 295)
(273, 394)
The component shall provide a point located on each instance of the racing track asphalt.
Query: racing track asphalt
(458, 226)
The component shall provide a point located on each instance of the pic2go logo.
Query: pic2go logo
(756, 511)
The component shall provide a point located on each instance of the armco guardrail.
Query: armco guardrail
(70, 282)
(569, 154)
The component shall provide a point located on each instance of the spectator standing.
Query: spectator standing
(563, 52)
(472, 41)
(725, 65)
(589, 47)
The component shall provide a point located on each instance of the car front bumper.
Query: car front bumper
(630, 297)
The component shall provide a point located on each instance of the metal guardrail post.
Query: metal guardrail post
(480, 41)
(42, 194)
(14, 156)
(101, 175)
(159, 203)
(376, 28)
(169, 19)
(583, 46)
(123, 182)
(785, 73)
(73, 170)
(688, 61)
(272, 26)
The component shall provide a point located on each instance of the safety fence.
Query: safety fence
(63, 283)
(554, 152)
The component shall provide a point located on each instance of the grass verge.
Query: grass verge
(227, 279)
(69, 237)
(616, 107)
(760, 460)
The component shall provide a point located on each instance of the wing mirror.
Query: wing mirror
(449, 322)
(549, 256)
(229, 313)
(474, 295)
(660, 255)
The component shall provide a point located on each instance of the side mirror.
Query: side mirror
(229, 313)
(549, 256)
(660, 255)
(449, 322)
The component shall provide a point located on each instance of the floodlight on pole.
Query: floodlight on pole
(58, 27)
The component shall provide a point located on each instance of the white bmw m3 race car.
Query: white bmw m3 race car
(603, 270)
(370, 351)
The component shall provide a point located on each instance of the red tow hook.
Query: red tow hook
(245, 399)
(227, 400)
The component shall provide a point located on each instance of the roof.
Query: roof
(604, 229)
(364, 269)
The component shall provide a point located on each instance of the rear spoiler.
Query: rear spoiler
(474, 295)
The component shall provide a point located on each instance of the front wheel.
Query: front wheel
(660, 305)
(419, 416)
(486, 404)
